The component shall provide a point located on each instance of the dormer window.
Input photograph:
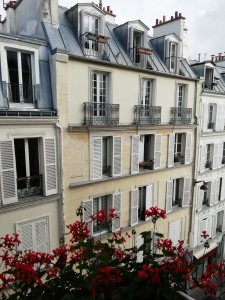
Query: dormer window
(138, 41)
(91, 29)
(173, 57)
(209, 82)
(20, 81)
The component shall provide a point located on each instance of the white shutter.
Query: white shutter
(217, 190)
(203, 158)
(131, 41)
(116, 203)
(171, 142)
(149, 198)
(82, 22)
(134, 207)
(200, 197)
(26, 236)
(220, 155)
(139, 243)
(50, 175)
(175, 231)
(212, 193)
(41, 236)
(169, 195)
(202, 227)
(186, 192)
(223, 223)
(87, 207)
(223, 118)
(96, 158)
(222, 193)
(135, 154)
(218, 117)
(215, 156)
(205, 117)
(188, 148)
(8, 172)
(214, 224)
(117, 156)
(157, 151)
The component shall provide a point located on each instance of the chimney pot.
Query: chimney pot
(164, 19)
(111, 12)
(176, 14)
(171, 17)
(212, 57)
(108, 8)
(160, 22)
(157, 22)
(180, 15)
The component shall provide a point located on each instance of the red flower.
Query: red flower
(79, 231)
(155, 213)
(204, 234)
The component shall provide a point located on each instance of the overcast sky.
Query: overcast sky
(205, 19)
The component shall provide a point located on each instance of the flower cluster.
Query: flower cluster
(155, 213)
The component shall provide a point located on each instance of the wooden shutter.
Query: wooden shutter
(139, 242)
(186, 192)
(117, 156)
(8, 172)
(220, 155)
(175, 231)
(134, 207)
(169, 195)
(215, 156)
(50, 175)
(217, 190)
(87, 207)
(116, 203)
(26, 236)
(214, 224)
(205, 117)
(135, 154)
(202, 227)
(223, 222)
(203, 158)
(188, 148)
(96, 158)
(222, 194)
(218, 117)
(149, 198)
(171, 142)
(131, 42)
(41, 236)
(157, 151)
(212, 193)
(82, 22)
(200, 197)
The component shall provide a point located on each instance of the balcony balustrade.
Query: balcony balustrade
(146, 114)
(180, 115)
(29, 186)
(101, 114)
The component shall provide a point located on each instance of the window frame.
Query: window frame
(146, 91)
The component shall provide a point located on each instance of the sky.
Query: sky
(205, 19)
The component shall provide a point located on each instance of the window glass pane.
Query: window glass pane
(26, 77)
(33, 156)
(13, 84)
(20, 158)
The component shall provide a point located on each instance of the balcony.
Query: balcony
(29, 186)
(95, 45)
(101, 114)
(21, 93)
(180, 115)
(179, 65)
(143, 58)
(213, 87)
(145, 114)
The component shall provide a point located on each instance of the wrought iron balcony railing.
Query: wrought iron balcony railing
(143, 58)
(29, 186)
(179, 65)
(146, 114)
(21, 93)
(101, 114)
(213, 87)
(180, 115)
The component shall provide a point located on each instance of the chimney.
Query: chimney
(220, 54)
(100, 4)
(157, 22)
(111, 12)
(108, 9)
(199, 57)
(164, 19)
(171, 18)
(180, 15)
(212, 57)
(176, 14)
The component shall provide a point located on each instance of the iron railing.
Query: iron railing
(101, 114)
(143, 58)
(21, 93)
(180, 115)
(179, 65)
(29, 186)
(95, 45)
(214, 87)
(146, 114)
(27, 113)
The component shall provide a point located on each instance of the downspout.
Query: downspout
(60, 184)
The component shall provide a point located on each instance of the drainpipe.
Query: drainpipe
(61, 183)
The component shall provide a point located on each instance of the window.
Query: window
(180, 99)
(177, 193)
(206, 195)
(179, 149)
(34, 235)
(106, 156)
(92, 206)
(146, 92)
(91, 29)
(209, 156)
(203, 226)
(220, 221)
(223, 157)
(100, 94)
(141, 199)
(138, 41)
(21, 173)
(211, 116)
(175, 231)
(209, 78)
(146, 152)
(173, 57)
(20, 80)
